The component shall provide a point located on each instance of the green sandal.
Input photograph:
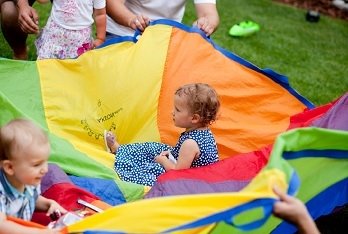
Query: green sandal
(244, 28)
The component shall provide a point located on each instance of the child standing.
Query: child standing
(24, 151)
(68, 31)
(195, 108)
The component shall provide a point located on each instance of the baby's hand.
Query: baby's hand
(205, 25)
(162, 157)
(97, 42)
(55, 207)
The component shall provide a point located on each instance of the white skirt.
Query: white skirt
(55, 41)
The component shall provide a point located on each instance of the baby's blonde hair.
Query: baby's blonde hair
(18, 135)
(202, 99)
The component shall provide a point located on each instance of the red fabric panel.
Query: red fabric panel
(66, 194)
(240, 167)
(305, 118)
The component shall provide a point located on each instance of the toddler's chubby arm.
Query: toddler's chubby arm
(188, 152)
(207, 17)
(100, 23)
(48, 205)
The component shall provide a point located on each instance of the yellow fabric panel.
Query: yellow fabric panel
(163, 213)
(114, 88)
(254, 109)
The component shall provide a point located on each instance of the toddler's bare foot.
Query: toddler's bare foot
(111, 142)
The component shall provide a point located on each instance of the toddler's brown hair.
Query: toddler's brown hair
(202, 99)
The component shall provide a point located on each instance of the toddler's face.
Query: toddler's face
(31, 165)
(182, 116)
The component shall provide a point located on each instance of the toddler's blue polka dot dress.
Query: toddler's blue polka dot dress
(135, 162)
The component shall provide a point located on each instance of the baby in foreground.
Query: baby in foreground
(24, 151)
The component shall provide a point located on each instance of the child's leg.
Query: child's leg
(112, 142)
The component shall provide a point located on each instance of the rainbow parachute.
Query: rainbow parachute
(267, 133)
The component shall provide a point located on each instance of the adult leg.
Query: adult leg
(13, 34)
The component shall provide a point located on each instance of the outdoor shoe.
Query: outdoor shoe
(244, 28)
(312, 16)
(341, 4)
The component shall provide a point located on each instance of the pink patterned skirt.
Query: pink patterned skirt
(55, 41)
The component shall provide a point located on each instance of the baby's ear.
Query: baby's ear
(7, 167)
(196, 118)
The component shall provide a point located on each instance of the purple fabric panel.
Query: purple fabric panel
(336, 117)
(54, 175)
(187, 186)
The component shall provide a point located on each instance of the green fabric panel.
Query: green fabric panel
(20, 92)
(315, 173)
(76, 163)
(313, 138)
(131, 191)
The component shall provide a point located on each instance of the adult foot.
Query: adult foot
(111, 142)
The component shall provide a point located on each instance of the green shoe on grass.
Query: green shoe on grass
(244, 29)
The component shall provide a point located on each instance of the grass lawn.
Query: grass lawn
(314, 56)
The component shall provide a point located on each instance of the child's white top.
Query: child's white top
(154, 9)
(75, 14)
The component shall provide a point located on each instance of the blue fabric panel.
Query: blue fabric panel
(106, 189)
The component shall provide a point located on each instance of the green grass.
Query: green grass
(314, 56)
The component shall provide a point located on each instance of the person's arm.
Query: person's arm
(8, 226)
(100, 23)
(189, 150)
(294, 211)
(117, 11)
(207, 17)
(28, 18)
(48, 205)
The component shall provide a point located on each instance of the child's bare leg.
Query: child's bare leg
(112, 142)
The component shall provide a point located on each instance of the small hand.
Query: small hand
(139, 22)
(162, 157)
(55, 208)
(204, 24)
(288, 208)
(97, 42)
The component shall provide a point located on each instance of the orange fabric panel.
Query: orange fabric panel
(32, 224)
(254, 109)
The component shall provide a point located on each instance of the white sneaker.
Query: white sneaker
(341, 4)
